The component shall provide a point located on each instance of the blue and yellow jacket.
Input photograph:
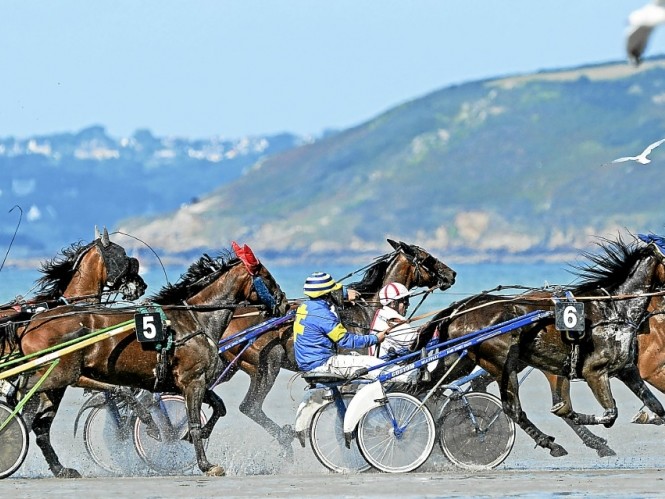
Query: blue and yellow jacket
(317, 331)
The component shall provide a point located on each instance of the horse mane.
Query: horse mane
(373, 276)
(610, 267)
(195, 278)
(58, 271)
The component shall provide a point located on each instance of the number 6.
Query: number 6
(570, 316)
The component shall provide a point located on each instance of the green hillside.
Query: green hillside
(502, 169)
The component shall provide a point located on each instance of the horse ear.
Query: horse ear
(392, 243)
(97, 234)
(105, 238)
(406, 248)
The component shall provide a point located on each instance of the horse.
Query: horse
(81, 273)
(651, 344)
(407, 264)
(196, 310)
(616, 288)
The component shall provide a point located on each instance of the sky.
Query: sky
(232, 68)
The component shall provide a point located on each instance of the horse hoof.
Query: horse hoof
(216, 471)
(640, 418)
(606, 452)
(68, 473)
(559, 409)
(558, 451)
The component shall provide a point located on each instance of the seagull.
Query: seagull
(641, 23)
(642, 158)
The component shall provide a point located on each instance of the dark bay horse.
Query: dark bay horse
(407, 264)
(81, 273)
(616, 289)
(197, 308)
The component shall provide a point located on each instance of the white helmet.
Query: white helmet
(391, 292)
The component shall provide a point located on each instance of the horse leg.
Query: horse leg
(41, 412)
(599, 383)
(632, 379)
(194, 393)
(509, 390)
(562, 406)
(262, 379)
(218, 411)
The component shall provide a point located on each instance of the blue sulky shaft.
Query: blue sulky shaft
(457, 344)
(251, 333)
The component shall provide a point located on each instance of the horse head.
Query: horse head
(121, 271)
(425, 270)
(657, 245)
(264, 288)
(85, 272)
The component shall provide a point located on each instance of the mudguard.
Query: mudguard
(311, 402)
(97, 400)
(367, 398)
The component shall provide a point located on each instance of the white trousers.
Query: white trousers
(347, 365)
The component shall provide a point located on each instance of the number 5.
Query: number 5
(149, 328)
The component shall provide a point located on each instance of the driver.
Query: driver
(391, 318)
(318, 332)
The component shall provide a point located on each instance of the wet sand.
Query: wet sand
(255, 468)
(496, 483)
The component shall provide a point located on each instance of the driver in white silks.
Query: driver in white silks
(394, 298)
(391, 319)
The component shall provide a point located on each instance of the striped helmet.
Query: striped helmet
(392, 292)
(319, 284)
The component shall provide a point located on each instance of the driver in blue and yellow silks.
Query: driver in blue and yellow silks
(318, 331)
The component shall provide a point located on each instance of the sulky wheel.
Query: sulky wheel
(13, 441)
(398, 436)
(474, 432)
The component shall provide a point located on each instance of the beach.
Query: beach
(256, 469)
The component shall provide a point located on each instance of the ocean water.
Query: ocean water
(471, 279)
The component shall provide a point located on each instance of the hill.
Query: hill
(505, 169)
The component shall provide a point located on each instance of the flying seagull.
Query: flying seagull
(641, 158)
(641, 23)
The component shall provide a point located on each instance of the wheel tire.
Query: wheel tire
(463, 445)
(171, 452)
(108, 441)
(326, 435)
(386, 451)
(14, 442)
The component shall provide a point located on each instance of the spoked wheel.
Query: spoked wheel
(107, 437)
(13, 442)
(397, 437)
(478, 435)
(169, 450)
(327, 437)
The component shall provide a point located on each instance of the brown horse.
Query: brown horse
(616, 292)
(407, 264)
(197, 308)
(82, 273)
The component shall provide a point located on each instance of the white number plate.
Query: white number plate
(569, 316)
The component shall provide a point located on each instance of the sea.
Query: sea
(245, 449)
(471, 279)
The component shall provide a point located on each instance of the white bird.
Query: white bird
(641, 23)
(641, 158)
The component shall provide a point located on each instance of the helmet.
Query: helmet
(319, 284)
(392, 292)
